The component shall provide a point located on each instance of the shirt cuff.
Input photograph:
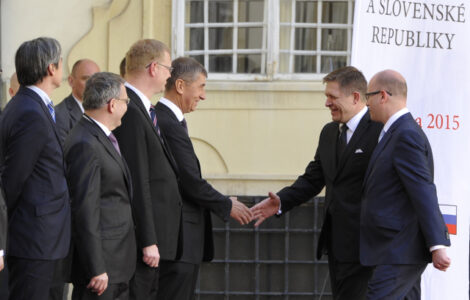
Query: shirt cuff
(1, 253)
(437, 247)
(279, 211)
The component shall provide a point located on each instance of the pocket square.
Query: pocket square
(359, 151)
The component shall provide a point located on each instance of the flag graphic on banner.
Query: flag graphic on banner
(449, 212)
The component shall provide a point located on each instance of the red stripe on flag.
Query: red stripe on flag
(452, 228)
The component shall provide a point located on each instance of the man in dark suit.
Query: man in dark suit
(104, 249)
(70, 110)
(184, 89)
(3, 228)
(340, 162)
(401, 224)
(33, 173)
(157, 201)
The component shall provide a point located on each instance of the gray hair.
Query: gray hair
(100, 88)
(34, 57)
(185, 68)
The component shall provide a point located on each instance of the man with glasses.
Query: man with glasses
(157, 202)
(402, 228)
(340, 162)
(33, 173)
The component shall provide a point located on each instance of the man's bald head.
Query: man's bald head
(14, 85)
(81, 71)
(391, 81)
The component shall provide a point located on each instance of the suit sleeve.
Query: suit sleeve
(83, 172)
(25, 144)
(3, 223)
(132, 142)
(413, 163)
(194, 187)
(305, 187)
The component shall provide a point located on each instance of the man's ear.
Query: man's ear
(357, 97)
(179, 86)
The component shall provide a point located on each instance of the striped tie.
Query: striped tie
(153, 116)
(51, 110)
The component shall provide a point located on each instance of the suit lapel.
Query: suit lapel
(72, 106)
(356, 137)
(331, 141)
(37, 98)
(382, 144)
(96, 131)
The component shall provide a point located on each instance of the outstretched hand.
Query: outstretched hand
(266, 208)
(240, 212)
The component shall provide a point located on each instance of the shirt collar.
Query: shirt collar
(44, 97)
(174, 108)
(354, 121)
(105, 129)
(395, 117)
(78, 102)
(145, 101)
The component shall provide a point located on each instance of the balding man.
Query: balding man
(14, 85)
(70, 110)
(401, 224)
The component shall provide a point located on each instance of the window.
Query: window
(264, 39)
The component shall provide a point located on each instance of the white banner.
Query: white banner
(428, 42)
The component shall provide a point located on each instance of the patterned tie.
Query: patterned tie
(114, 141)
(51, 110)
(153, 116)
(185, 125)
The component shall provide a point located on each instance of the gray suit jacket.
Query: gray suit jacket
(68, 113)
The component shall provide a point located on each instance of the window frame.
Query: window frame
(270, 49)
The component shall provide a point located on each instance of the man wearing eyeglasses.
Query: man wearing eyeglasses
(104, 248)
(340, 162)
(157, 202)
(401, 225)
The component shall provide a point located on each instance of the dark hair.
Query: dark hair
(349, 79)
(185, 68)
(34, 57)
(100, 88)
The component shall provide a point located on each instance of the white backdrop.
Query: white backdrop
(429, 43)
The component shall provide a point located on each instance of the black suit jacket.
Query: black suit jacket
(101, 192)
(3, 221)
(157, 201)
(400, 217)
(33, 178)
(343, 181)
(199, 197)
(67, 113)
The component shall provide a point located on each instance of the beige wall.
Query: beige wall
(251, 137)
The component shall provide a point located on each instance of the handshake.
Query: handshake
(259, 212)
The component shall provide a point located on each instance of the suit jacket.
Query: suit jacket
(101, 192)
(400, 218)
(67, 113)
(343, 181)
(33, 178)
(3, 221)
(157, 201)
(199, 197)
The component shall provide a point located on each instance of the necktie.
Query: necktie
(51, 110)
(342, 141)
(114, 141)
(153, 116)
(185, 125)
(382, 133)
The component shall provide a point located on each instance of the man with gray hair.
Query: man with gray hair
(183, 90)
(33, 173)
(104, 249)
